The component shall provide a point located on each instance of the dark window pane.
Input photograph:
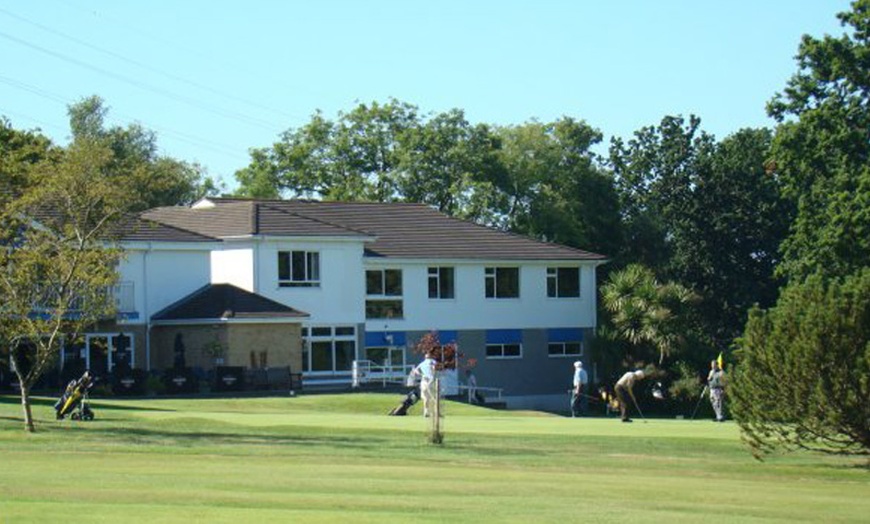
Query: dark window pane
(374, 283)
(377, 355)
(551, 286)
(297, 265)
(511, 350)
(493, 351)
(508, 282)
(321, 332)
(555, 349)
(393, 282)
(573, 348)
(569, 282)
(283, 265)
(490, 287)
(447, 282)
(321, 356)
(345, 331)
(344, 354)
(433, 286)
(384, 309)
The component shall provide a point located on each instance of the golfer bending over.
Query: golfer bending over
(426, 371)
(625, 386)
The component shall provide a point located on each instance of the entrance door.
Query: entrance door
(104, 352)
(98, 355)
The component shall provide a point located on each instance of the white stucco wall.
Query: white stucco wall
(234, 264)
(340, 297)
(163, 274)
(470, 309)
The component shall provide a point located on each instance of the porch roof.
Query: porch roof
(221, 302)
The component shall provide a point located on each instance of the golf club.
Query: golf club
(698, 404)
(638, 408)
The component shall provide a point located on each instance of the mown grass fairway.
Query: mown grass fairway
(325, 458)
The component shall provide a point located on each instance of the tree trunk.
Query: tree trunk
(25, 393)
(25, 405)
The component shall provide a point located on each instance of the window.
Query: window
(298, 269)
(384, 309)
(381, 286)
(563, 282)
(504, 351)
(565, 349)
(384, 282)
(328, 349)
(502, 282)
(441, 282)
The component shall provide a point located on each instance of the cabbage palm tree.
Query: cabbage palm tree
(645, 311)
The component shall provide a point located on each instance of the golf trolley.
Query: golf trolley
(74, 401)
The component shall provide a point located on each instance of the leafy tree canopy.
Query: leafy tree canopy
(155, 180)
(822, 150)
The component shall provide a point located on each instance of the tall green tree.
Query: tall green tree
(19, 151)
(655, 174)
(803, 379)
(449, 163)
(152, 179)
(706, 214)
(352, 158)
(554, 187)
(822, 150)
(726, 245)
(58, 266)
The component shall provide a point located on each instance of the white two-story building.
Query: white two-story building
(317, 285)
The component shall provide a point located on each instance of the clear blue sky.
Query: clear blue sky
(214, 78)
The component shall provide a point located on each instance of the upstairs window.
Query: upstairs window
(384, 282)
(298, 269)
(502, 282)
(441, 282)
(563, 282)
(384, 294)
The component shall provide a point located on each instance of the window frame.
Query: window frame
(554, 290)
(502, 346)
(493, 283)
(333, 335)
(564, 353)
(386, 298)
(311, 268)
(437, 275)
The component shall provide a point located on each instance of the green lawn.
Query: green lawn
(322, 458)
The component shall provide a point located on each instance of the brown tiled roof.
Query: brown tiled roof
(234, 219)
(219, 301)
(399, 230)
(135, 229)
(408, 230)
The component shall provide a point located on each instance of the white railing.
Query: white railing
(487, 392)
(366, 371)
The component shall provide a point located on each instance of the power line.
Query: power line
(141, 85)
(144, 65)
(175, 46)
(184, 137)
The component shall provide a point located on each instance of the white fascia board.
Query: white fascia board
(301, 238)
(170, 246)
(388, 261)
(212, 321)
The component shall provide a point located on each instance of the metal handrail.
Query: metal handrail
(365, 371)
(471, 390)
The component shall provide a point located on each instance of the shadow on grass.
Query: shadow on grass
(162, 436)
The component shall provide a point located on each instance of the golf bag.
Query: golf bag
(410, 399)
(74, 400)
